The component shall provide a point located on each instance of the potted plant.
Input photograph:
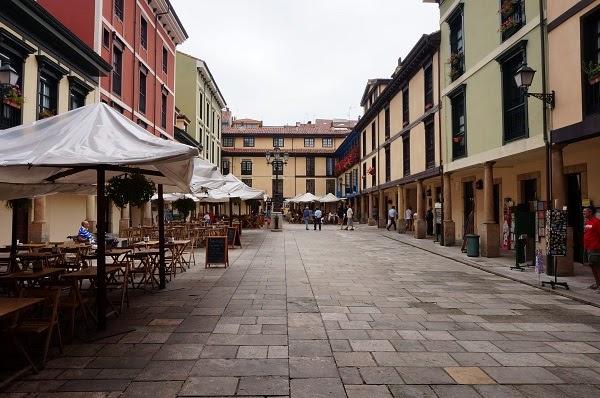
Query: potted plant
(508, 24)
(185, 206)
(13, 96)
(456, 65)
(592, 70)
(45, 113)
(130, 189)
(457, 139)
(507, 7)
(371, 171)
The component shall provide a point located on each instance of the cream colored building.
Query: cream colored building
(199, 98)
(311, 148)
(400, 137)
(56, 72)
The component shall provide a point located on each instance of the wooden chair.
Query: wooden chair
(43, 320)
(115, 284)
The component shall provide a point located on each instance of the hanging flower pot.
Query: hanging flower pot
(46, 113)
(130, 189)
(457, 139)
(185, 206)
(371, 171)
(13, 97)
(592, 70)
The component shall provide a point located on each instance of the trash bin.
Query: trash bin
(472, 245)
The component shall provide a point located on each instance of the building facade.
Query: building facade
(400, 138)
(347, 170)
(494, 145)
(199, 98)
(138, 38)
(574, 75)
(311, 148)
(54, 72)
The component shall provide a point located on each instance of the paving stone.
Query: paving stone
(350, 375)
(371, 345)
(277, 351)
(240, 367)
(166, 370)
(479, 346)
(498, 391)
(367, 391)
(521, 375)
(419, 375)
(266, 385)
(178, 352)
(473, 359)
(312, 367)
(219, 351)
(573, 347)
(339, 345)
(455, 392)
(317, 388)
(579, 390)
(469, 375)
(310, 348)
(353, 359)
(252, 351)
(537, 391)
(209, 386)
(520, 359)
(228, 339)
(576, 375)
(572, 360)
(119, 363)
(95, 385)
(161, 389)
(426, 359)
(401, 391)
(379, 375)
(188, 338)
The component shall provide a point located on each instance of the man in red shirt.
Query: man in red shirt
(591, 243)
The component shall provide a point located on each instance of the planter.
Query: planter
(457, 140)
(11, 103)
(594, 79)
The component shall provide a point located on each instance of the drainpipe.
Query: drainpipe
(156, 16)
(440, 136)
(135, 36)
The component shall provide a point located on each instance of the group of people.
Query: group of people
(345, 217)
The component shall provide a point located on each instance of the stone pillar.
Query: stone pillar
(490, 230)
(147, 214)
(361, 214)
(564, 265)
(381, 216)
(38, 230)
(370, 207)
(449, 226)
(401, 208)
(90, 211)
(420, 223)
(124, 222)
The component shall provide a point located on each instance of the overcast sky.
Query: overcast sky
(283, 61)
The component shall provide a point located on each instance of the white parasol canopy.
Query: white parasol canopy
(305, 198)
(172, 197)
(329, 198)
(233, 188)
(68, 147)
(206, 176)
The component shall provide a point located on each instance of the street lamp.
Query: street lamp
(277, 159)
(524, 78)
(8, 75)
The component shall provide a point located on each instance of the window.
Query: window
(405, 107)
(327, 142)
(278, 142)
(247, 181)
(228, 141)
(591, 55)
(248, 141)
(77, 95)
(225, 166)
(142, 104)
(309, 142)
(329, 167)
(330, 186)
(387, 123)
(364, 143)
(406, 154)
(459, 131)
(373, 137)
(364, 173)
(142, 124)
(117, 70)
(105, 38)
(428, 87)
(246, 167)
(429, 143)
(512, 17)
(374, 175)
(277, 167)
(201, 108)
(457, 49)
(388, 164)
(514, 100)
(163, 111)
(119, 9)
(165, 60)
(310, 167)
(310, 186)
(143, 32)
(47, 96)
(347, 183)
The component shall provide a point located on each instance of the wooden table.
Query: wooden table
(31, 246)
(44, 257)
(146, 244)
(177, 248)
(148, 265)
(23, 276)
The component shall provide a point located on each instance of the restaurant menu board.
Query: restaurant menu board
(232, 234)
(556, 235)
(217, 251)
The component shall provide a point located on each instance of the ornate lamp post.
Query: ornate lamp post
(278, 160)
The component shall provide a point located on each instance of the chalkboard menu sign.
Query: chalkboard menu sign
(556, 236)
(217, 251)
(232, 234)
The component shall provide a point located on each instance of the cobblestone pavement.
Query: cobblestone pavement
(311, 314)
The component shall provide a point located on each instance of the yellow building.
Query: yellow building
(54, 71)
(311, 148)
(400, 136)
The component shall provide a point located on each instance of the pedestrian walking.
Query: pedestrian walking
(392, 214)
(306, 216)
(341, 215)
(591, 244)
(317, 218)
(408, 217)
(429, 220)
(350, 218)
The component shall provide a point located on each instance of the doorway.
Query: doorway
(497, 203)
(468, 208)
(22, 216)
(529, 191)
(574, 214)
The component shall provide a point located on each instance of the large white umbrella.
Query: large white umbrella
(305, 198)
(329, 198)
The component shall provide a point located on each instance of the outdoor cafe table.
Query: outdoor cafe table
(46, 258)
(31, 276)
(32, 247)
(148, 265)
(177, 248)
(148, 244)
(9, 307)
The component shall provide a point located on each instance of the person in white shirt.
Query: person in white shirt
(408, 217)
(392, 214)
(349, 218)
(317, 218)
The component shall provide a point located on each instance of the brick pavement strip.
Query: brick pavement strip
(337, 314)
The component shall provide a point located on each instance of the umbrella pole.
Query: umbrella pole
(230, 213)
(101, 251)
(13, 243)
(161, 238)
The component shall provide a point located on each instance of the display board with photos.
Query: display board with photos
(556, 232)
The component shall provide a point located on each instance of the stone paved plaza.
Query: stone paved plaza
(333, 314)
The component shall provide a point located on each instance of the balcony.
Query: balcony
(10, 116)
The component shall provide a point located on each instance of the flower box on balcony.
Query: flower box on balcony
(592, 70)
